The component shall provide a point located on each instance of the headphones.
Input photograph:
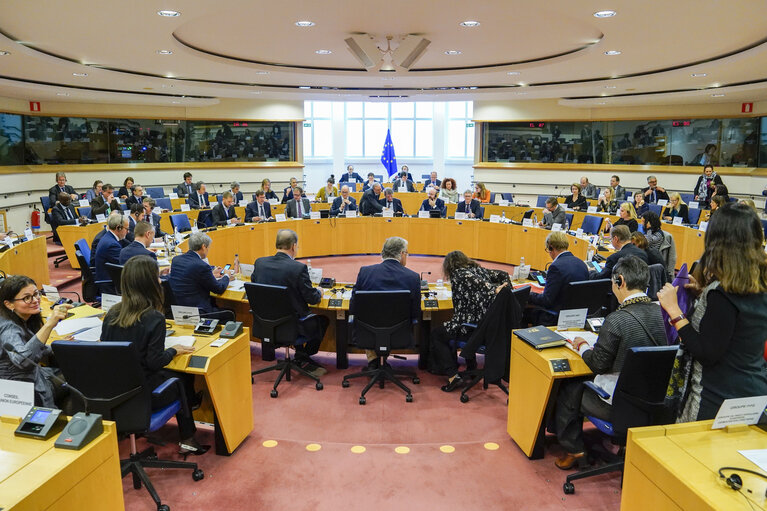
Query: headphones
(734, 481)
(618, 280)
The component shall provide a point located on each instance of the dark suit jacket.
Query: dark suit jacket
(251, 210)
(658, 196)
(287, 194)
(439, 205)
(184, 190)
(59, 216)
(54, 191)
(627, 250)
(683, 211)
(335, 208)
(396, 204)
(396, 184)
(474, 207)
(99, 206)
(135, 249)
(429, 182)
(346, 178)
(95, 244)
(123, 191)
(291, 209)
(367, 186)
(390, 275)
(107, 251)
(369, 204)
(281, 270)
(192, 281)
(194, 203)
(237, 197)
(158, 233)
(219, 215)
(133, 200)
(567, 268)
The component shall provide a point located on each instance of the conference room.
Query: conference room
(310, 238)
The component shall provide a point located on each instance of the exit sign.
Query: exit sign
(469, 124)
(307, 125)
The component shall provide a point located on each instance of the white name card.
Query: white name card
(556, 227)
(402, 189)
(527, 222)
(703, 226)
(314, 215)
(677, 220)
(157, 210)
(274, 202)
(694, 205)
(51, 292)
(173, 195)
(101, 218)
(108, 301)
(503, 202)
(591, 209)
(16, 398)
(185, 315)
(460, 215)
(571, 318)
(579, 232)
(662, 202)
(744, 410)
(185, 207)
(388, 213)
(351, 213)
(279, 217)
(195, 229)
(84, 203)
(423, 214)
(495, 219)
(29, 234)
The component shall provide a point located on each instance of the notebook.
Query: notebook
(540, 337)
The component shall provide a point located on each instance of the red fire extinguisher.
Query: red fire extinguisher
(35, 219)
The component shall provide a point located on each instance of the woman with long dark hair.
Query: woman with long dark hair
(138, 318)
(725, 333)
(652, 229)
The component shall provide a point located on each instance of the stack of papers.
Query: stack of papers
(237, 285)
(163, 262)
(589, 337)
(92, 334)
(184, 340)
(69, 326)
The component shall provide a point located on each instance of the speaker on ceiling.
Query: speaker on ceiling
(410, 50)
(364, 49)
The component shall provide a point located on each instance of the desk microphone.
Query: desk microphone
(424, 283)
(517, 222)
(66, 293)
(206, 314)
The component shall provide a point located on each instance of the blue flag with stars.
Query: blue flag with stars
(387, 157)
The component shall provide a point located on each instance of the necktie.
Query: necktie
(69, 213)
(139, 200)
(388, 204)
(201, 201)
(261, 211)
(298, 205)
(226, 212)
(653, 196)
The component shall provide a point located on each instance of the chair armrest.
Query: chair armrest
(164, 386)
(597, 389)
(350, 319)
(103, 282)
(308, 316)
(473, 326)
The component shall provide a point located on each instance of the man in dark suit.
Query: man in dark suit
(369, 183)
(287, 193)
(553, 213)
(236, 193)
(433, 181)
(403, 182)
(258, 210)
(143, 235)
(186, 188)
(433, 203)
(469, 205)
(282, 269)
(369, 204)
(223, 213)
(61, 187)
(407, 173)
(63, 213)
(108, 251)
(105, 203)
(564, 269)
(298, 206)
(152, 217)
(653, 193)
(621, 241)
(137, 196)
(192, 280)
(390, 275)
(199, 199)
(343, 203)
(389, 201)
(350, 176)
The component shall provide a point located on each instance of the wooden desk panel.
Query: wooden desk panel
(29, 258)
(69, 234)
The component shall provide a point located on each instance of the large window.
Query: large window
(11, 140)
(318, 130)
(411, 125)
(239, 141)
(548, 142)
(460, 129)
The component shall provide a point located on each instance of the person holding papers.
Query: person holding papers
(369, 204)
(138, 318)
(299, 206)
(192, 279)
(723, 334)
(23, 327)
(259, 210)
(553, 213)
(391, 203)
(343, 203)
(469, 205)
(636, 323)
(621, 241)
(223, 213)
(403, 184)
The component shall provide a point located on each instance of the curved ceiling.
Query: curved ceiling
(523, 49)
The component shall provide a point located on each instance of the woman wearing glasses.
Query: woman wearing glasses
(22, 326)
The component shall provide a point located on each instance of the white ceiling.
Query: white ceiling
(248, 49)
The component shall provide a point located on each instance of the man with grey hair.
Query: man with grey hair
(469, 205)
(236, 193)
(390, 275)
(192, 280)
(588, 190)
(653, 193)
(108, 251)
(282, 269)
(369, 204)
(343, 203)
(61, 187)
(390, 202)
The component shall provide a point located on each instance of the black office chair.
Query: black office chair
(168, 298)
(382, 322)
(275, 321)
(90, 290)
(111, 376)
(594, 295)
(115, 272)
(638, 400)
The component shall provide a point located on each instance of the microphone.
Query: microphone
(206, 314)
(424, 283)
(517, 222)
(63, 292)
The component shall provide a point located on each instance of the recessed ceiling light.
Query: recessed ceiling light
(62, 94)
(323, 52)
(473, 88)
(469, 23)
(717, 95)
(304, 87)
(612, 52)
(262, 72)
(604, 14)
(698, 75)
(165, 52)
(513, 73)
(166, 86)
(4, 53)
(169, 14)
(610, 87)
(80, 74)
(453, 52)
(304, 23)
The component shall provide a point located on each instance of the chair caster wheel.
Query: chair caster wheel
(416, 380)
(345, 384)
(568, 488)
(409, 398)
(464, 398)
(318, 386)
(198, 475)
(163, 507)
(363, 400)
(273, 393)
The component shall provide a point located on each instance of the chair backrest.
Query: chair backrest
(155, 192)
(181, 222)
(655, 208)
(425, 176)
(687, 197)
(594, 295)
(481, 212)
(382, 320)
(219, 197)
(492, 197)
(164, 203)
(89, 290)
(522, 295)
(379, 178)
(110, 373)
(168, 298)
(83, 247)
(569, 217)
(541, 203)
(507, 196)
(124, 206)
(115, 272)
(84, 211)
(274, 318)
(205, 218)
(46, 202)
(591, 224)
(640, 393)
(693, 215)
(629, 195)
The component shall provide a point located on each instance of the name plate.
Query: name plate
(495, 219)
(662, 202)
(579, 232)
(744, 410)
(423, 214)
(157, 210)
(591, 209)
(173, 195)
(677, 220)
(279, 217)
(185, 207)
(108, 301)
(101, 218)
(703, 226)
(527, 222)
(195, 229)
(51, 292)
(402, 189)
(17, 397)
(351, 213)
(185, 315)
(556, 227)
(274, 202)
(388, 213)
(571, 318)
(503, 202)
(694, 205)
(29, 234)
(460, 215)
(314, 215)
(84, 203)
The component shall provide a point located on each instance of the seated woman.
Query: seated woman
(448, 191)
(628, 217)
(266, 186)
(676, 207)
(474, 289)
(125, 190)
(640, 205)
(22, 326)
(723, 332)
(652, 229)
(95, 191)
(607, 202)
(721, 191)
(653, 254)
(138, 318)
(482, 193)
(575, 200)
(328, 191)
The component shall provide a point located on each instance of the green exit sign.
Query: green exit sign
(469, 124)
(307, 125)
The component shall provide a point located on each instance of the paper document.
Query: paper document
(92, 334)
(68, 326)
(157, 244)
(589, 337)
(237, 285)
(183, 340)
(756, 456)
(163, 261)
(246, 270)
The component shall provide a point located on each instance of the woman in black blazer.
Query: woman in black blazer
(575, 200)
(706, 185)
(676, 207)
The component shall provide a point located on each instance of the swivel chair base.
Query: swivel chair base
(380, 375)
(285, 367)
(474, 376)
(613, 463)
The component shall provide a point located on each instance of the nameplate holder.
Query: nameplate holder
(556, 227)
(495, 219)
(351, 213)
(591, 209)
(108, 301)
(280, 217)
(84, 203)
(460, 215)
(579, 232)
(423, 214)
(388, 213)
(157, 210)
(195, 229)
(185, 207)
(703, 226)
(197, 362)
(662, 202)
(694, 205)
(503, 202)
(274, 202)
(173, 195)
(677, 220)
(314, 215)
(527, 222)
(29, 234)
(101, 218)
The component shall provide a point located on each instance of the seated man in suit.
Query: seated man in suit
(143, 236)
(223, 213)
(350, 176)
(469, 205)
(108, 251)
(433, 203)
(234, 187)
(636, 323)
(288, 191)
(553, 213)
(391, 202)
(258, 210)
(564, 269)
(61, 187)
(369, 204)
(199, 198)
(621, 240)
(137, 196)
(135, 215)
(615, 184)
(402, 183)
(186, 188)
(152, 217)
(282, 269)
(97, 238)
(298, 206)
(63, 213)
(343, 203)
(106, 203)
(192, 280)
(390, 275)
(407, 173)
(653, 193)
(369, 183)
(432, 181)
(588, 190)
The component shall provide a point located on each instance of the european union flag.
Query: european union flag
(387, 157)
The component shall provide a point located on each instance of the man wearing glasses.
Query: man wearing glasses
(653, 193)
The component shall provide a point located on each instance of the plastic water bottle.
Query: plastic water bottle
(567, 225)
(522, 261)
(177, 235)
(236, 263)
(590, 253)
(309, 264)
(503, 217)
(535, 219)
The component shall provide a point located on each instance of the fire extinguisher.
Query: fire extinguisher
(35, 219)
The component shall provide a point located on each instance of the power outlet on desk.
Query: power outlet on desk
(335, 302)
(560, 365)
(431, 304)
(197, 362)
